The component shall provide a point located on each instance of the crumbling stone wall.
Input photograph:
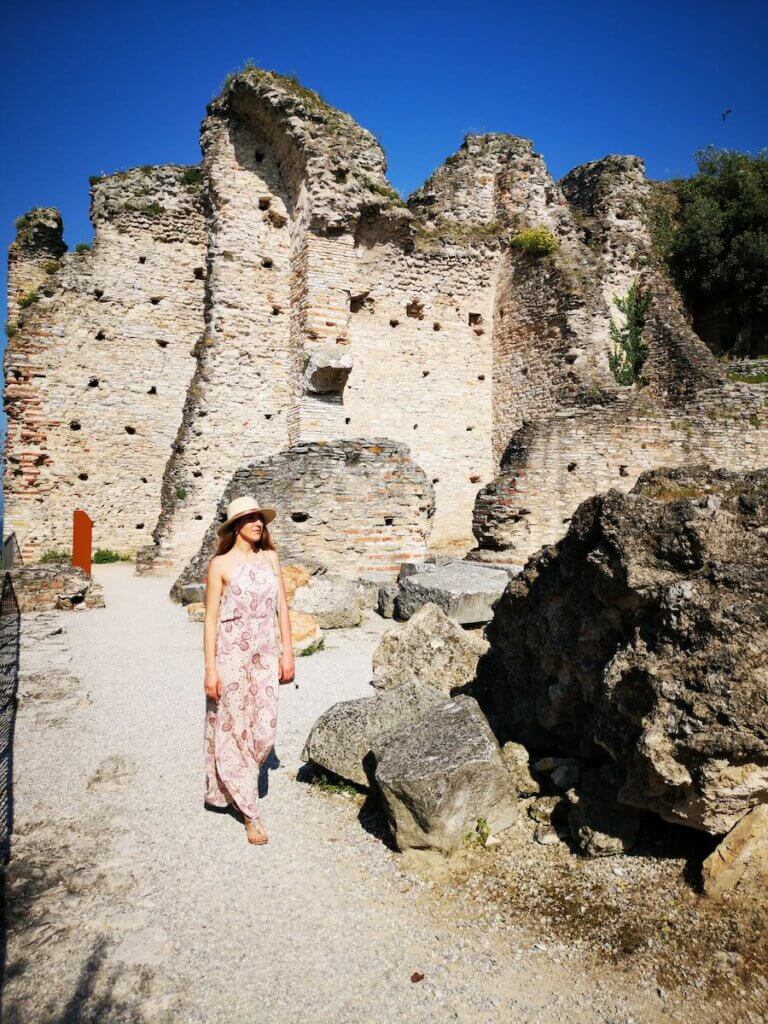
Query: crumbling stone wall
(348, 506)
(97, 367)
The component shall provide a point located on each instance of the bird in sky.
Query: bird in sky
(726, 113)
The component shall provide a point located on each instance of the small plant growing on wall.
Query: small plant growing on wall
(535, 242)
(108, 555)
(52, 555)
(29, 299)
(82, 247)
(11, 329)
(630, 352)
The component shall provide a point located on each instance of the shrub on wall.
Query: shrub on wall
(535, 242)
(630, 352)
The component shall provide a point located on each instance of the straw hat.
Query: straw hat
(240, 506)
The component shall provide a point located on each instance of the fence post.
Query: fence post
(82, 528)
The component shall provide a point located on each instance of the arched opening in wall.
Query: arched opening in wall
(389, 520)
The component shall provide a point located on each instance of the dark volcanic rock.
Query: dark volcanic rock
(641, 638)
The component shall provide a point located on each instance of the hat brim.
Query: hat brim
(268, 514)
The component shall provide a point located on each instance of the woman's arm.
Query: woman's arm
(213, 587)
(287, 668)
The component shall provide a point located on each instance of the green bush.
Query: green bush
(29, 299)
(535, 242)
(82, 247)
(630, 353)
(717, 252)
(52, 555)
(152, 209)
(11, 329)
(107, 555)
(51, 266)
(191, 176)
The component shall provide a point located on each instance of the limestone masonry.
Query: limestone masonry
(394, 376)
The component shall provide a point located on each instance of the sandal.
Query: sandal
(255, 832)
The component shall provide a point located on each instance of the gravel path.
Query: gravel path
(132, 902)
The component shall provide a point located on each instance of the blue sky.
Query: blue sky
(88, 88)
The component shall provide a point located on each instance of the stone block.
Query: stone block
(442, 772)
(342, 737)
(465, 591)
(430, 648)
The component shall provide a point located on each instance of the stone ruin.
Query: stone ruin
(281, 299)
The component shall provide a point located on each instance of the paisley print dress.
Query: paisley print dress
(240, 725)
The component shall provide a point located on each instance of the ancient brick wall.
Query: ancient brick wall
(98, 367)
(349, 506)
(553, 465)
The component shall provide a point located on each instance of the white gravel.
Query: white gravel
(134, 903)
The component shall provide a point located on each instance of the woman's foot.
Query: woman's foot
(255, 832)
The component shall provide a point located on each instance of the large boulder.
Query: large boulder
(49, 586)
(466, 591)
(430, 648)
(641, 639)
(741, 859)
(440, 774)
(334, 601)
(342, 737)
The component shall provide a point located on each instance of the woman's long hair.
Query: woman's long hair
(228, 539)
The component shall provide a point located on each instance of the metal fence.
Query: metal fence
(11, 552)
(10, 637)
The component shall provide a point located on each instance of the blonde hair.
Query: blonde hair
(227, 540)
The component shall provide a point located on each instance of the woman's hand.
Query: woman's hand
(287, 668)
(212, 684)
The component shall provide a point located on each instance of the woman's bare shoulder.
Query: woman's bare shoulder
(217, 563)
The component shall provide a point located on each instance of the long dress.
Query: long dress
(240, 725)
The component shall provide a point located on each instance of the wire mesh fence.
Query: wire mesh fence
(10, 636)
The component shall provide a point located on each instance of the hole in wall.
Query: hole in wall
(142, 259)
(425, 373)
(156, 300)
(277, 220)
(340, 176)
(198, 516)
(82, 476)
(93, 382)
(199, 273)
(98, 292)
(475, 319)
(415, 309)
(139, 526)
(435, 326)
(264, 203)
(470, 428)
(389, 520)
(356, 302)
(74, 425)
(347, 419)
(299, 517)
(415, 425)
(481, 376)
(267, 415)
(129, 429)
(258, 156)
(162, 342)
(197, 472)
(571, 466)
(100, 336)
(435, 479)
(623, 471)
(152, 390)
(277, 310)
(267, 262)
(474, 478)
(394, 323)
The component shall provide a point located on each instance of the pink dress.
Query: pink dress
(240, 725)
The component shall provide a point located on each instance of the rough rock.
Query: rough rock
(430, 648)
(442, 772)
(196, 611)
(54, 585)
(465, 591)
(641, 639)
(741, 859)
(369, 584)
(342, 737)
(601, 826)
(327, 370)
(386, 600)
(516, 758)
(294, 576)
(305, 631)
(333, 601)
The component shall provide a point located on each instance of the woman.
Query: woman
(244, 659)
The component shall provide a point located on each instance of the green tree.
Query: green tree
(630, 352)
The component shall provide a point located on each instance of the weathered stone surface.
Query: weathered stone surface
(517, 760)
(305, 632)
(464, 590)
(334, 500)
(294, 577)
(385, 604)
(327, 370)
(741, 859)
(441, 772)
(333, 600)
(342, 737)
(430, 648)
(601, 826)
(193, 593)
(641, 639)
(48, 585)
(369, 584)
(196, 611)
